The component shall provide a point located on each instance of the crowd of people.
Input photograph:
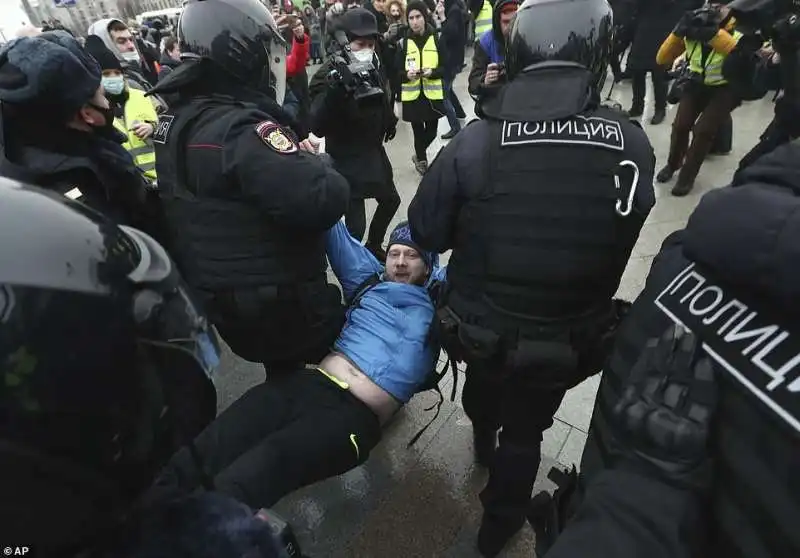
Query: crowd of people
(160, 192)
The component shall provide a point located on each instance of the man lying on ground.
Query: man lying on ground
(316, 423)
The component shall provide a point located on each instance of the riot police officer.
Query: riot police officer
(97, 394)
(246, 206)
(732, 279)
(57, 129)
(106, 364)
(542, 205)
(355, 126)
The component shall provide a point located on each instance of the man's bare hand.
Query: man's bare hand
(142, 130)
(492, 74)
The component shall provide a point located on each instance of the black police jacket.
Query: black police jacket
(354, 133)
(96, 170)
(733, 278)
(541, 215)
(246, 207)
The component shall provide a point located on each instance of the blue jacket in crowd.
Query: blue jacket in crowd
(386, 333)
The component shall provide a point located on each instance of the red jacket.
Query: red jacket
(298, 56)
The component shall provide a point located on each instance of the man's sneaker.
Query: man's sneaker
(665, 174)
(421, 166)
(682, 188)
(635, 111)
(495, 533)
(658, 117)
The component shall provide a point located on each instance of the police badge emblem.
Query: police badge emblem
(275, 138)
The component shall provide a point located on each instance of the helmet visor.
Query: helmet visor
(276, 54)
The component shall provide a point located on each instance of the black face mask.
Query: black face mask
(108, 114)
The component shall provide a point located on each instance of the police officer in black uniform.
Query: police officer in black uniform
(542, 205)
(247, 208)
(732, 277)
(57, 129)
(356, 128)
(106, 364)
(97, 394)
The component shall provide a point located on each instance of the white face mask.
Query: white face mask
(114, 85)
(132, 56)
(363, 55)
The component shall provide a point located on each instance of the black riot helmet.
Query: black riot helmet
(105, 364)
(572, 31)
(239, 36)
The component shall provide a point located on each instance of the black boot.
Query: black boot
(658, 117)
(507, 496)
(665, 174)
(636, 111)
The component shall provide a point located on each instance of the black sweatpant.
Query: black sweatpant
(289, 432)
(424, 134)
(496, 399)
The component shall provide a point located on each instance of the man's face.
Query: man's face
(416, 21)
(175, 53)
(89, 115)
(405, 265)
(123, 39)
(361, 44)
(379, 4)
(505, 21)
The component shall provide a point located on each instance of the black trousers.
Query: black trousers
(660, 88)
(356, 216)
(284, 434)
(496, 398)
(424, 134)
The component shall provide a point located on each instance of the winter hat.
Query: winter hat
(50, 71)
(420, 6)
(402, 235)
(100, 52)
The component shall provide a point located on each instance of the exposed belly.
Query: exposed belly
(372, 395)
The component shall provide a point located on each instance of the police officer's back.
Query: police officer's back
(57, 129)
(246, 208)
(542, 203)
(732, 277)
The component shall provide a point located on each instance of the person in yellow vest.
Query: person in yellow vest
(483, 21)
(134, 114)
(422, 88)
(707, 35)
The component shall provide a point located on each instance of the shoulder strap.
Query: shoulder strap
(362, 289)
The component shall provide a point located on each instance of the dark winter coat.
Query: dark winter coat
(655, 19)
(421, 109)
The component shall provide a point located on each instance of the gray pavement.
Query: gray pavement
(422, 501)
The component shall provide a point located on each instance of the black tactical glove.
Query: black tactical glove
(683, 24)
(391, 129)
(663, 418)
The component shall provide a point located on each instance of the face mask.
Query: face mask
(363, 55)
(131, 56)
(114, 85)
(108, 114)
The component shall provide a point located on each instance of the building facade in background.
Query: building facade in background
(78, 15)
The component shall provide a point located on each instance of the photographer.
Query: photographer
(353, 111)
(707, 35)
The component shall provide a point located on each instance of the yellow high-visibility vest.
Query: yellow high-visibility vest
(484, 21)
(713, 66)
(138, 108)
(432, 89)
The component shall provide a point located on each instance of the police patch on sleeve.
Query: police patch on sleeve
(275, 138)
(575, 130)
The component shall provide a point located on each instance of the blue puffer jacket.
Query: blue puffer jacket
(386, 333)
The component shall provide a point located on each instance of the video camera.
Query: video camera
(359, 79)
